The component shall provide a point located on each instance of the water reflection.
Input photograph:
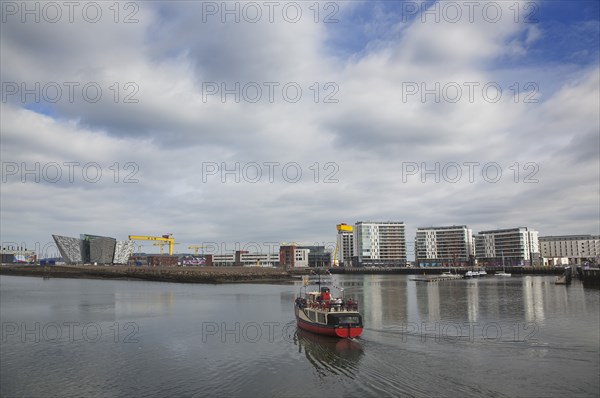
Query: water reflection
(473, 300)
(533, 299)
(329, 355)
(140, 304)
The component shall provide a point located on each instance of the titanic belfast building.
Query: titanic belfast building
(93, 249)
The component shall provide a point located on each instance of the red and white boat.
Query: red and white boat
(319, 312)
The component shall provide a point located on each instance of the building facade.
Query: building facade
(344, 245)
(570, 249)
(17, 254)
(444, 246)
(379, 244)
(93, 249)
(513, 247)
(318, 256)
(293, 256)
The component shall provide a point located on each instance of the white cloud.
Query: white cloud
(369, 133)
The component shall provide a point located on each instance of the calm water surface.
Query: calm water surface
(519, 336)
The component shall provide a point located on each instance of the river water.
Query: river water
(518, 336)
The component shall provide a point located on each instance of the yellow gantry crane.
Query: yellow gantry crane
(161, 245)
(167, 239)
(195, 247)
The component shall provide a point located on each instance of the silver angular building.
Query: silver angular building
(93, 249)
(70, 248)
(123, 250)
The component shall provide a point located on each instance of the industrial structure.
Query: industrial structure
(168, 239)
(17, 254)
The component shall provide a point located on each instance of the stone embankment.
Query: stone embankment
(164, 274)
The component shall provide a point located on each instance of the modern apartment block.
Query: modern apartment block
(380, 244)
(518, 246)
(570, 249)
(344, 245)
(444, 246)
(293, 256)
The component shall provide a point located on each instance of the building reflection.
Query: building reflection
(533, 299)
(159, 303)
(382, 300)
(472, 301)
(443, 301)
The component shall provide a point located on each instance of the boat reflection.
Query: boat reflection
(329, 355)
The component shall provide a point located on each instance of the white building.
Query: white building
(518, 246)
(444, 246)
(344, 245)
(246, 259)
(223, 260)
(301, 258)
(380, 244)
(290, 255)
(258, 259)
(570, 249)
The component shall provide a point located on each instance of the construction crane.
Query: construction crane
(340, 228)
(161, 245)
(195, 247)
(168, 239)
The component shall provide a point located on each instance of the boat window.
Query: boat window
(311, 315)
(335, 319)
(322, 318)
(349, 319)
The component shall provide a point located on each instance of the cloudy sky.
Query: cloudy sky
(241, 122)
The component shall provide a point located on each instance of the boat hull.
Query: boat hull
(335, 331)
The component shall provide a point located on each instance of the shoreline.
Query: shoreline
(218, 275)
(204, 275)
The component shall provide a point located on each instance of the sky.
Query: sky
(241, 125)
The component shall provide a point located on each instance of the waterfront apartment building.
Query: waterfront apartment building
(444, 246)
(344, 245)
(518, 246)
(291, 255)
(380, 244)
(570, 249)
